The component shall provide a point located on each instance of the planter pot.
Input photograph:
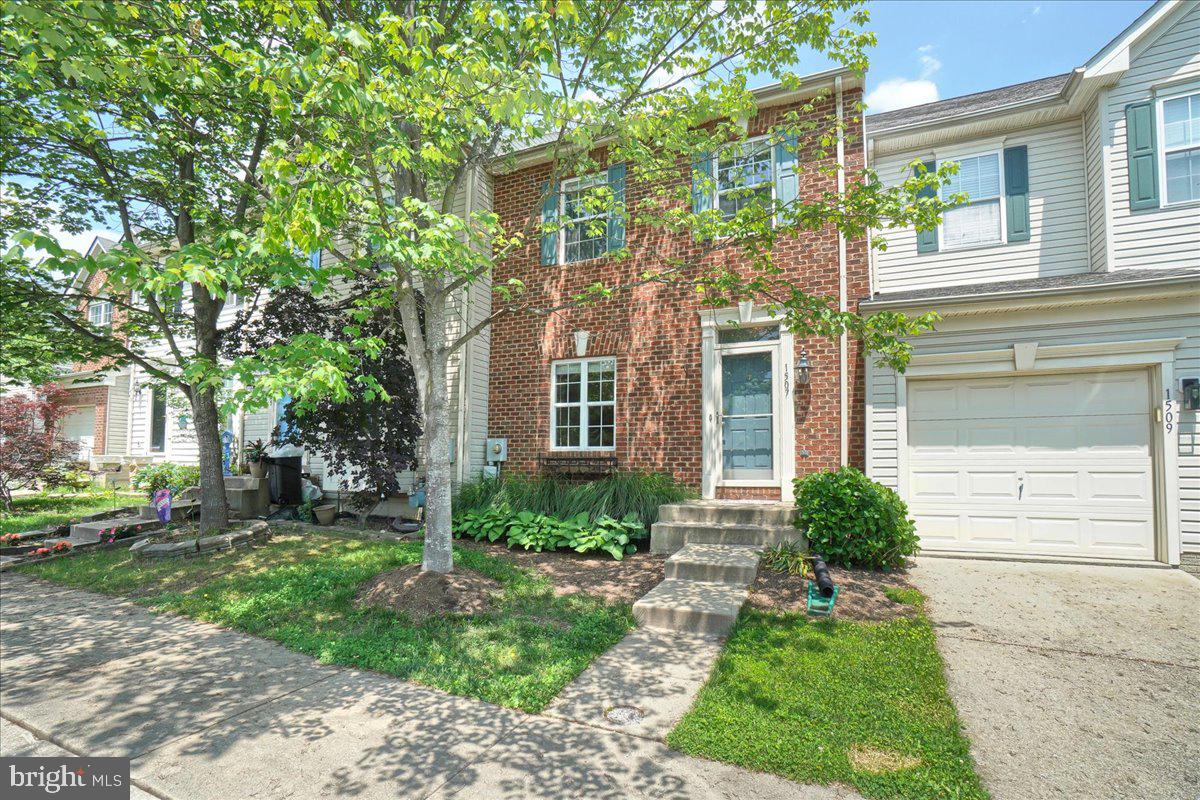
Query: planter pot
(324, 514)
(257, 468)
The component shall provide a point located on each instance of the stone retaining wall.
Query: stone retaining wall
(257, 533)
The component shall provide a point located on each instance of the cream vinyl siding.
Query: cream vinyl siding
(1138, 321)
(118, 416)
(1165, 236)
(1058, 219)
(1093, 133)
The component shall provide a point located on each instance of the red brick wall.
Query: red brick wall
(654, 333)
(93, 396)
(95, 286)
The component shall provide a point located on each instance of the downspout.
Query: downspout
(843, 349)
(465, 359)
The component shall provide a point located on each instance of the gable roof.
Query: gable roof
(1018, 93)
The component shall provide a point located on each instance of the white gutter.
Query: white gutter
(843, 358)
(973, 297)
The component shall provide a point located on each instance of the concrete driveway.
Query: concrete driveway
(209, 713)
(1072, 681)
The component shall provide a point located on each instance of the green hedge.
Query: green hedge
(854, 521)
(618, 496)
(176, 477)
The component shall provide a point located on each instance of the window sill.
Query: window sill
(969, 248)
(566, 451)
(1173, 206)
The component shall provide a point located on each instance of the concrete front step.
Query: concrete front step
(730, 512)
(714, 563)
(668, 537)
(691, 606)
(90, 531)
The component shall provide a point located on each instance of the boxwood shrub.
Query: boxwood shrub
(853, 521)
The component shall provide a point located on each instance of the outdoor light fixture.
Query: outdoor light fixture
(745, 311)
(581, 341)
(802, 368)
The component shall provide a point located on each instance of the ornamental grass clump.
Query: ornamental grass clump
(854, 521)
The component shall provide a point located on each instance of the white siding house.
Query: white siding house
(1043, 417)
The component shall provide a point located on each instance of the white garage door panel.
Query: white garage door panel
(1049, 465)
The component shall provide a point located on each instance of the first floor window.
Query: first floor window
(1181, 148)
(584, 408)
(100, 312)
(745, 177)
(158, 419)
(978, 221)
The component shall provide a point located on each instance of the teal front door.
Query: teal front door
(747, 416)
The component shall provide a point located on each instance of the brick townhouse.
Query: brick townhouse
(652, 379)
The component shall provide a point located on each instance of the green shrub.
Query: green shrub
(176, 477)
(616, 496)
(540, 532)
(854, 521)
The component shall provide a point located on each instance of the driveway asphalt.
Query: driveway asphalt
(1072, 681)
(209, 713)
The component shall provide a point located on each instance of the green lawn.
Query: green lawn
(35, 511)
(863, 704)
(299, 591)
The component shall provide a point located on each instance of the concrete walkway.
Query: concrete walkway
(1072, 681)
(208, 713)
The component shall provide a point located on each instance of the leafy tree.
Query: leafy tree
(369, 437)
(396, 103)
(128, 112)
(31, 450)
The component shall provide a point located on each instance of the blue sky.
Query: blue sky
(936, 50)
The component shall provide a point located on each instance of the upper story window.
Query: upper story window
(1181, 148)
(100, 312)
(979, 221)
(745, 177)
(583, 413)
(585, 219)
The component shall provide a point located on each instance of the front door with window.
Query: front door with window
(747, 386)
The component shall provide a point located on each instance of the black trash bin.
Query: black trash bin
(283, 480)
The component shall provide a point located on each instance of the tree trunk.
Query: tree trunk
(438, 554)
(214, 507)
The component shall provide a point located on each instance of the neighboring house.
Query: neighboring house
(1044, 416)
(97, 392)
(136, 422)
(652, 380)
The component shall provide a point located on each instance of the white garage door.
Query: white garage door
(79, 426)
(1045, 465)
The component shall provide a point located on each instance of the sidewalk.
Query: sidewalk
(209, 713)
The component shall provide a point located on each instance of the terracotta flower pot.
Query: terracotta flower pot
(324, 514)
(257, 468)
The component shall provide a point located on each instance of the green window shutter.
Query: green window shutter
(616, 217)
(787, 181)
(702, 176)
(927, 241)
(1142, 155)
(1016, 192)
(550, 215)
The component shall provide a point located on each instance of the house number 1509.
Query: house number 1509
(1169, 413)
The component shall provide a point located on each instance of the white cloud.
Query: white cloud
(901, 93)
(904, 92)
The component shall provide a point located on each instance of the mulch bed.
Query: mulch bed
(419, 594)
(860, 593)
(596, 574)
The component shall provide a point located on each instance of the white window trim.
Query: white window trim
(573, 184)
(583, 405)
(1160, 124)
(1003, 240)
(106, 318)
(746, 144)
